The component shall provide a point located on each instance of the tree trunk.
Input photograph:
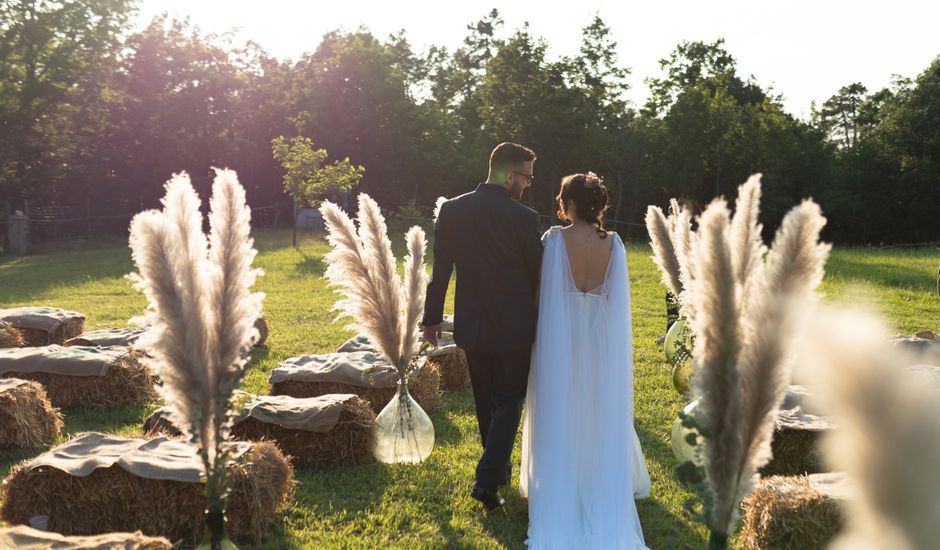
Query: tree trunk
(294, 240)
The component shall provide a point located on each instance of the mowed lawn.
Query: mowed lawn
(427, 505)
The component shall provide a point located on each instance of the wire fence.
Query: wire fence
(68, 223)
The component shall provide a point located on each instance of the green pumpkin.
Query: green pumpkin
(682, 376)
(681, 448)
(678, 335)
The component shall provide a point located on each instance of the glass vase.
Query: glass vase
(403, 431)
(215, 538)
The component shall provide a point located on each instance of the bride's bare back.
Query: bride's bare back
(588, 255)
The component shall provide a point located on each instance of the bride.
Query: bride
(582, 465)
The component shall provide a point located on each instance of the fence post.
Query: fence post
(18, 233)
(87, 219)
(295, 225)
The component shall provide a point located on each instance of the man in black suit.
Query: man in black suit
(495, 243)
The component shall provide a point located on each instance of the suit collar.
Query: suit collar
(493, 188)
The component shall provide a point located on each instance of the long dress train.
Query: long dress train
(582, 465)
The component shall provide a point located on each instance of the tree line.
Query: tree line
(93, 110)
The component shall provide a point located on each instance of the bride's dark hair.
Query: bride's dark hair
(589, 195)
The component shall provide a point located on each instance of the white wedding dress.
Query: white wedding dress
(582, 465)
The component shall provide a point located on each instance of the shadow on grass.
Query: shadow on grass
(654, 448)
(669, 530)
(882, 273)
(28, 277)
(122, 419)
(311, 265)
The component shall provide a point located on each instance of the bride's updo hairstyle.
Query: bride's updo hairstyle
(589, 195)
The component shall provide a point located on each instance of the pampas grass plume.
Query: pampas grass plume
(362, 267)
(200, 310)
(744, 321)
(888, 441)
(664, 253)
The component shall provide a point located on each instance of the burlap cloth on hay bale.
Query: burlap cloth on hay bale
(795, 512)
(27, 538)
(79, 375)
(108, 337)
(330, 428)
(366, 374)
(129, 336)
(42, 326)
(98, 483)
(449, 359)
(27, 419)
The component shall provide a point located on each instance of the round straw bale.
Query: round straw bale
(112, 499)
(27, 419)
(454, 369)
(126, 382)
(263, 332)
(425, 387)
(10, 336)
(788, 513)
(349, 442)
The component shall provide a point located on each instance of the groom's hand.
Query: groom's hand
(432, 333)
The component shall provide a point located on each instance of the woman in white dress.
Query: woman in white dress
(582, 465)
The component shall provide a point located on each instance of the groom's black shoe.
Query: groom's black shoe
(490, 499)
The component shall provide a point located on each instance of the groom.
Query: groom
(495, 243)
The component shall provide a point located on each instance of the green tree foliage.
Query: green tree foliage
(307, 179)
(52, 56)
(840, 114)
(90, 111)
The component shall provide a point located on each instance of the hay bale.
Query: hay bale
(454, 369)
(263, 332)
(86, 376)
(450, 361)
(365, 374)
(28, 538)
(10, 336)
(795, 445)
(114, 496)
(42, 326)
(349, 441)
(797, 433)
(342, 433)
(27, 419)
(795, 512)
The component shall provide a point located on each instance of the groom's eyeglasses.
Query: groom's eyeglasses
(529, 178)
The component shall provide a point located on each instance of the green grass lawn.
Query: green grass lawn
(427, 505)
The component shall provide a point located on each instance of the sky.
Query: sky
(805, 50)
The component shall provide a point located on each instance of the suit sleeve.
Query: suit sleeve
(532, 249)
(441, 272)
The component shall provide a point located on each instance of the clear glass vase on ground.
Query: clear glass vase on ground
(404, 433)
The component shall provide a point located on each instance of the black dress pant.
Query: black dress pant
(499, 385)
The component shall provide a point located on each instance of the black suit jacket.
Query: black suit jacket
(495, 243)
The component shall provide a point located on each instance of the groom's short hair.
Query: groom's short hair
(509, 155)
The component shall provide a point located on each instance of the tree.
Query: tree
(840, 114)
(306, 178)
(352, 94)
(50, 52)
